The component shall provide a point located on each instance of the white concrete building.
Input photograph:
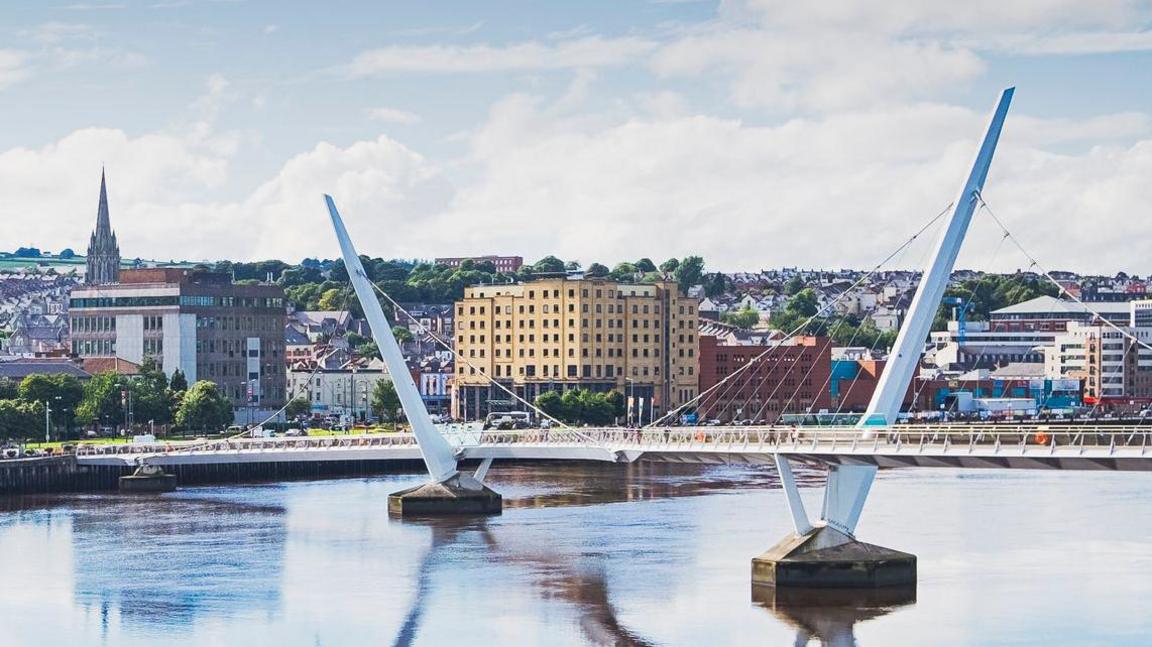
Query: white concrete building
(344, 391)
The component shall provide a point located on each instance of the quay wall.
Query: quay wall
(59, 474)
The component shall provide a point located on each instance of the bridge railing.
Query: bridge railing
(886, 439)
(952, 437)
(456, 437)
(252, 444)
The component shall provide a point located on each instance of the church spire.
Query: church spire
(103, 251)
(103, 223)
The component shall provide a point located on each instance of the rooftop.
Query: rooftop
(18, 369)
(1053, 306)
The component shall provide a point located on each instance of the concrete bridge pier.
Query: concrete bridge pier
(826, 555)
(148, 479)
(459, 494)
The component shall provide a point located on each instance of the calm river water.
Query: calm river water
(629, 555)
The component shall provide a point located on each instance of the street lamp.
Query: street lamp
(631, 398)
(364, 389)
(48, 419)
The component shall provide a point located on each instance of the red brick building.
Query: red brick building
(792, 378)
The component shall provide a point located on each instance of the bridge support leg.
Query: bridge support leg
(826, 555)
(459, 494)
(449, 492)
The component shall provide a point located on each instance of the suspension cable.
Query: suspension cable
(1063, 290)
(674, 412)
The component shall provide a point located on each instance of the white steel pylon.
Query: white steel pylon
(437, 453)
(848, 485)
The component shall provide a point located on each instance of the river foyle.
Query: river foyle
(601, 554)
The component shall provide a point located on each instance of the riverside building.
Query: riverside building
(197, 321)
(560, 334)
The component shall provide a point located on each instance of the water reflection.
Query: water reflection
(830, 615)
(590, 554)
(547, 485)
(160, 562)
(552, 572)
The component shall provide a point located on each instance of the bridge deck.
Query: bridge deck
(966, 446)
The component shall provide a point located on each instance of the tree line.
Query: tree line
(323, 285)
(105, 400)
(581, 406)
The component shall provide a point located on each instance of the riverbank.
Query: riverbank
(61, 474)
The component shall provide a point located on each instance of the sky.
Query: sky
(756, 133)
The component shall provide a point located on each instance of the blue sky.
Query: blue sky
(758, 133)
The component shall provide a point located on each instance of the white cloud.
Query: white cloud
(860, 149)
(592, 51)
(55, 32)
(92, 6)
(271, 29)
(393, 115)
(841, 190)
(157, 183)
(916, 16)
(12, 67)
(1076, 43)
(826, 56)
(824, 70)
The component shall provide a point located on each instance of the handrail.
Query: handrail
(957, 438)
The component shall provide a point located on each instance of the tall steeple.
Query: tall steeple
(103, 250)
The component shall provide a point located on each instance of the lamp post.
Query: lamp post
(364, 390)
(47, 422)
(631, 398)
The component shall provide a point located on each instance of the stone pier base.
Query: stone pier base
(148, 479)
(457, 495)
(828, 558)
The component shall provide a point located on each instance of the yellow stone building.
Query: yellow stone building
(560, 334)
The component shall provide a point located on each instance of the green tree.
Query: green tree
(297, 407)
(623, 272)
(794, 285)
(37, 389)
(990, 292)
(549, 402)
(581, 406)
(689, 272)
(572, 405)
(716, 284)
(803, 303)
(179, 382)
(549, 265)
(645, 265)
(385, 402)
(101, 401)
(332, 299)
(596, 271)
(743, 318)
(204, 408)
(63, 393)
(402, 334)
(369, 349)
(19, 420)
(669, 266)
